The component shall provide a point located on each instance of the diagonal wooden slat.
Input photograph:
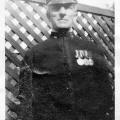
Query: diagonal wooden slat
(8, 117)
(21, 35)
(12, 57)
(12, 106)
(38, 10)
(105, 28)
(15, 13)
(31, 17)
(13, 89)
(8, 38)
(12, 73)
(95, 39)
(109, 23)
(99, 32)
(80, 32)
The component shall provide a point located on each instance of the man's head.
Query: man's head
(61, 13)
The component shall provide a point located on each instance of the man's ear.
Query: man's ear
(76, 8)
(48, 14)
(47, 11)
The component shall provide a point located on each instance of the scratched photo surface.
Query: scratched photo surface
(59, 59)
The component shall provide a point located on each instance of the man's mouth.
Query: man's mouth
(62, 20)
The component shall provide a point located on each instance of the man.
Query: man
(65, 77)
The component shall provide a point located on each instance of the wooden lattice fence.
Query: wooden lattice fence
(27, 25)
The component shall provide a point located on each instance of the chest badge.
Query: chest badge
(84, 58)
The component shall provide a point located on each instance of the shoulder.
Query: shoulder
(36, 51)
(89, 45)
(96, 51)
(37, 48)
(29, 54)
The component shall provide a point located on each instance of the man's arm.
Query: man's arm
(25, 88)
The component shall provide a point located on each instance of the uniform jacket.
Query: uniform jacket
(65, 77)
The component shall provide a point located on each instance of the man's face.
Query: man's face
(62, 15)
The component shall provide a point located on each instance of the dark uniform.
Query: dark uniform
(67, 80)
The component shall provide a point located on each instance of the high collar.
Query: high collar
(61, 33)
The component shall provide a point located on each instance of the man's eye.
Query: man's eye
(68, 5)
(56, 7)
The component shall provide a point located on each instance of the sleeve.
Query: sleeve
(97, 98)
(25, 88)
(100, 92)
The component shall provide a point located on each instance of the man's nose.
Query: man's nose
(62, 12)
(62, 15)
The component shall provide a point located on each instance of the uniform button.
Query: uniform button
(55, 37)
(69, 73)
(69, 90)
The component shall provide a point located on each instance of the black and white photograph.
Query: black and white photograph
(59, 60)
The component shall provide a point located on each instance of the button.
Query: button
(55, 37)
(69, 73)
